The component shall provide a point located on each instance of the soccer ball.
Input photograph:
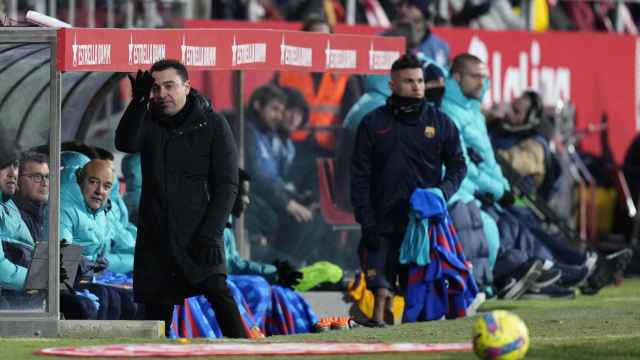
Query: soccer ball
(500, 335)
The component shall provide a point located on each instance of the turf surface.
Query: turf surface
(606, 325)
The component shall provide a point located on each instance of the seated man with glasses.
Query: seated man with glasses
(33, 192)
(24, 186)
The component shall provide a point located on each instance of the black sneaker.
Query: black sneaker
(513, 287)
(372, 324)
(549, 292)
(607, 269)
(547, 278)
(573, 276)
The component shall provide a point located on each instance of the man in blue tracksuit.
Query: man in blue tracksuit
(399, 147)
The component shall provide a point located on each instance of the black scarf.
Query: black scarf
(405, 108)
(405, 104)
(434, 95)
(173, 122)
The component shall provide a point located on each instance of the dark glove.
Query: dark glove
(206, 251)
(100, 264)
(485, 198)
(288, 276)
(507, 199)
(141, 86)
(370, 238)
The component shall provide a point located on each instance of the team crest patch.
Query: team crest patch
(371, 273)
(429, 132)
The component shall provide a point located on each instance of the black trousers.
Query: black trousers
(217, 293)
(109, 299)
(76, 307)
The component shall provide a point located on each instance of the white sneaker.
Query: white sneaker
(480, 298)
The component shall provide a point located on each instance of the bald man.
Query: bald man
(83, 221)
(96, 181)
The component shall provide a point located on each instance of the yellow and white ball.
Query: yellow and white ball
(500, 335)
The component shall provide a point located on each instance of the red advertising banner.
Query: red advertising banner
(127, 50)
(597, 72)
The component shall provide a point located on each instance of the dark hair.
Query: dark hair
(536, 109)
(461, 61)
(103, 154)
(295, 100)
(313, 20)
(88, 151)
(165, 64)
(264, 94)
(406, 61)
(32, 156)
(422, 5)
(243, 176)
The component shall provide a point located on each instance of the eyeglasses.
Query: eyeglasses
(38, 178)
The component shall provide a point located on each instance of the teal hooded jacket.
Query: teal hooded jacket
(376, 89)
(237, 265)
(124, 238)
(486, 176)
(12, 229)
(83, 226)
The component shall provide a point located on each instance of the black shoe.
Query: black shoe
(607, 269)
(573, 276)
(513, 287)
(549, 292)
(547, 278)
(372, 324)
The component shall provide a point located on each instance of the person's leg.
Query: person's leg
(215, 289)
(491, 233)
(382, 296)
(161, 312)
(129, 308)
(76, 307)
(378, 267)
(106, 311)
(561, 250)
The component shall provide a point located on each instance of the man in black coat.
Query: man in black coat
(189, 184)
(399, 147)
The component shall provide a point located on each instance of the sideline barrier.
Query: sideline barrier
(127, 50)
(189, 350)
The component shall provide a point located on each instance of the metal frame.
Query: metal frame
(42, 323)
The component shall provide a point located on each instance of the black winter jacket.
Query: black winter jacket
(189, 185)
(394, 154)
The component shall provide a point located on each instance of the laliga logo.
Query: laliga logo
(197, 55)
(145, 53)
(248, 53)
(339, 59)
(295, 55)
(552, 83)
(90, 54)
(381, 60)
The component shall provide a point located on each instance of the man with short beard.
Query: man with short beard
(18, 233)
(189, 183)
(13, 232)
(400, 147)
(33, 192)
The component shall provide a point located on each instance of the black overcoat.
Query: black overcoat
(189, 184)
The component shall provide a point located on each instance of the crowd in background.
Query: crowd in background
(536, 15)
